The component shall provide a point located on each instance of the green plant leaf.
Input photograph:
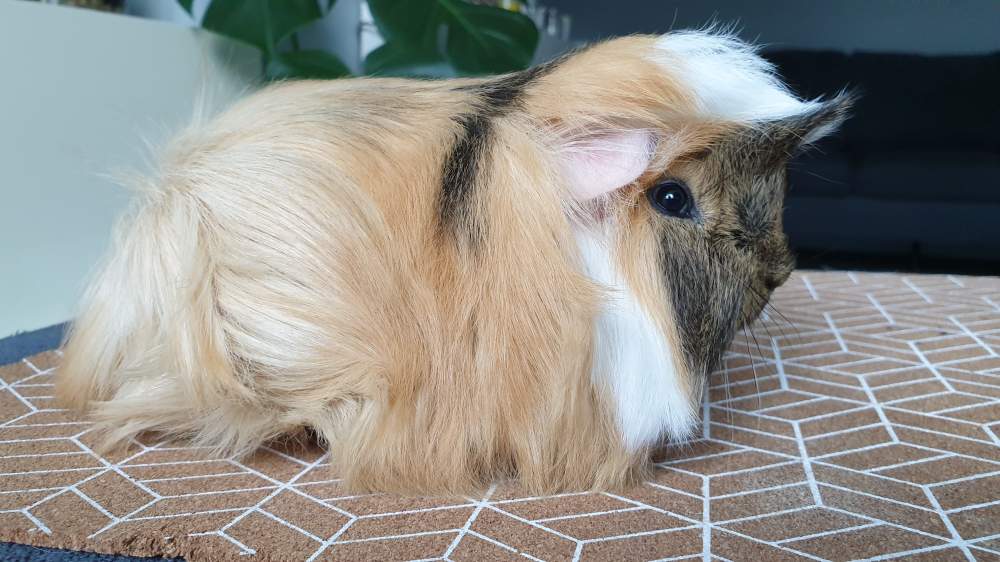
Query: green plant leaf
(305, 64)
(186, 4)
(477, 39)
(413, 23)
(393, 59)
(262, 23)
(483, 39)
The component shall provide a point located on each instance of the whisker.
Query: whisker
(753, 368)
(757, 343)
(706, 401)
(781, 324)
(824, 178)
(729, 399)
(748, 333)
(768, 306)
(788, 322)
(761, 353)
(763, 324)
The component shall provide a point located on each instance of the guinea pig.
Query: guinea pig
(452, 283)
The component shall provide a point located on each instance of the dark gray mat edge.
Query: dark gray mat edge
(25, 344)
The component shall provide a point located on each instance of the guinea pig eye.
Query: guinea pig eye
(671, 198)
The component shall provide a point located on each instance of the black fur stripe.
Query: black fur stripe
(463, 166)
(461, 169)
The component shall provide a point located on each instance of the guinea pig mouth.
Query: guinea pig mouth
(756, 299)
(752, 308)
(758, 292)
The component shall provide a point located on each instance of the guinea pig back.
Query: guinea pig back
(454, 282)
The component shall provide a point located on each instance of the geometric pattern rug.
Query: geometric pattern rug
(859, 419)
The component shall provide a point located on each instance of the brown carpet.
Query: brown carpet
(870, 431)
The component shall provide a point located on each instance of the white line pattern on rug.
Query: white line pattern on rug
(877, 416)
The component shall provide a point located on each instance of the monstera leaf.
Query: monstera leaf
(262, 23)
(423, 37)
(486, 39)
(306, 63)
(398, 59)
(473, 39)
(265, 24)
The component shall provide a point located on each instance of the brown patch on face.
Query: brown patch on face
(721, 264)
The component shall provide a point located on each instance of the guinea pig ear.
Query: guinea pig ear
(597, 163)
(824, 118)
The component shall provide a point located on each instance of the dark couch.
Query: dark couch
(915, 173)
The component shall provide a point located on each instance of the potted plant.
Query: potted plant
(453, 36)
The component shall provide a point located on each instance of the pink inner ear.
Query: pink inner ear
(602, 163)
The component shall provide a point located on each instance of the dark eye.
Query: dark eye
(671, 198)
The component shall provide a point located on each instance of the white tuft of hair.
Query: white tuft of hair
(727, 77)
(632, 358)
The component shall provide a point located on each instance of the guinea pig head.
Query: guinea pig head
(691, 213)
(717, 218)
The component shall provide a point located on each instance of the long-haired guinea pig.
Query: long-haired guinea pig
(453, 282)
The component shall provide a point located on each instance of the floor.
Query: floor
(862, 421)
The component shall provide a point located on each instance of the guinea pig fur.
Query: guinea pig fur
(453, 282)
